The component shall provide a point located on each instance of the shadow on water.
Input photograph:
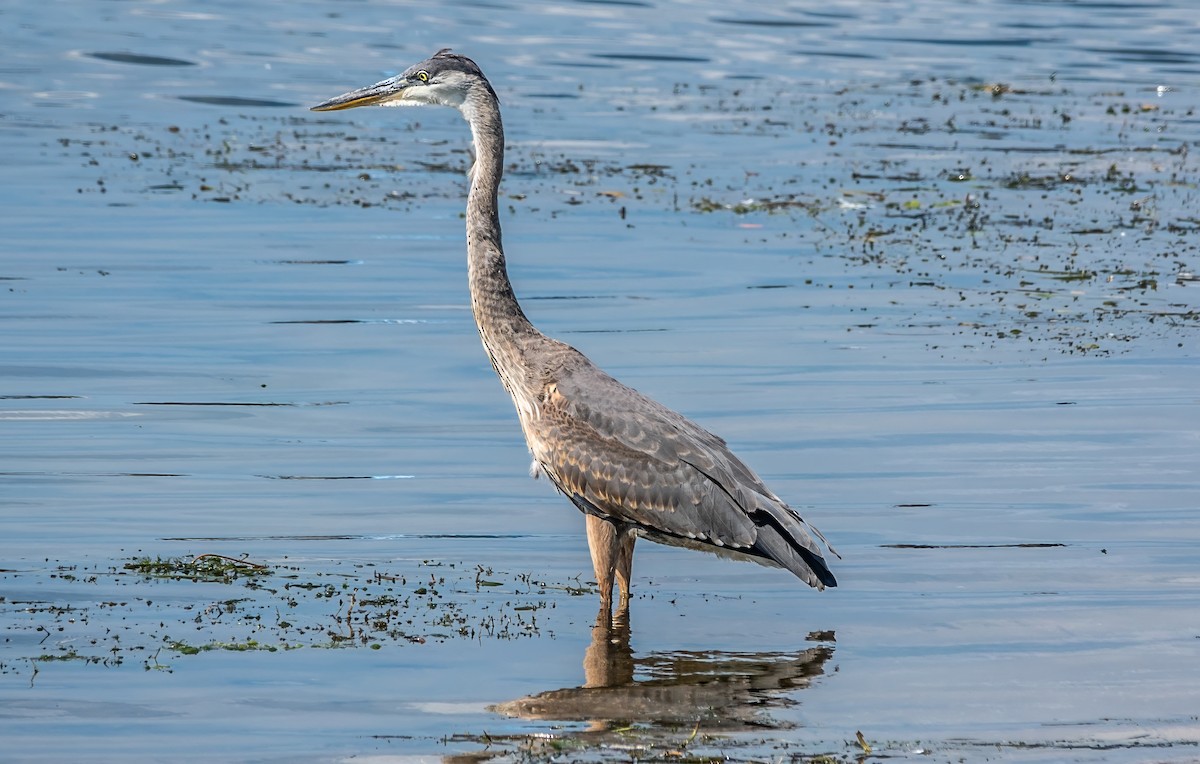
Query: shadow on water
(719, 690)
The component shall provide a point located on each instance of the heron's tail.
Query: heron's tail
(809, 567)
(784, 537)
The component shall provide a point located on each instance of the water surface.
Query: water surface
(928, 266)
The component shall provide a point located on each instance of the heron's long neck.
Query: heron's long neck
(502, 325)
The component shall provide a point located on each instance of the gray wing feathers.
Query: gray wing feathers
(608, 469)
(622, 455)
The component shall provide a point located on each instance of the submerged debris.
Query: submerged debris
(202, 567)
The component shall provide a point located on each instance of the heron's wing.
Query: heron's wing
(619, 454)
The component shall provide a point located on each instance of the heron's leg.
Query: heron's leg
(604, 542)
(624, 568)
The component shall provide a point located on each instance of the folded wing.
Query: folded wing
(621, 455)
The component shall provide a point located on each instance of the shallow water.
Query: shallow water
(929, 267)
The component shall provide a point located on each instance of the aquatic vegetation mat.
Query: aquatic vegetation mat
(1044, 218)
(152, 610)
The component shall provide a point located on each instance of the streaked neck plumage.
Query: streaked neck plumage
(505, 330)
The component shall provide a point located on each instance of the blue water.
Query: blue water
(944, 334)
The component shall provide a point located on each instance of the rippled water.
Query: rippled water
(928, 266)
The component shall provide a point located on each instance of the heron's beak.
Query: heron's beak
(388, 91)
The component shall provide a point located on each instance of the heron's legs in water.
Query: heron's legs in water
(612, 558)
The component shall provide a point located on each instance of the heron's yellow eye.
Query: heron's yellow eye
(423, 76)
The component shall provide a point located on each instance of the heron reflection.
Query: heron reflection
(721, 690)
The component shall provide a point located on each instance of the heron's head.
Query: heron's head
(445, 79)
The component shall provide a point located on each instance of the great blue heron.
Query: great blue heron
(630, 464)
